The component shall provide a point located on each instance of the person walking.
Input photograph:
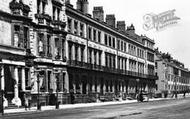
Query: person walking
(26, 102)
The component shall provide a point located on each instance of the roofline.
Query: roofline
(102, 24)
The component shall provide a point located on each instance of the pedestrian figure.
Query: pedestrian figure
(137, 97)
(26, 102)
(141, 97)
(184, 94)
(72, 97)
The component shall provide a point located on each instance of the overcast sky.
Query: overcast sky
(173, 39)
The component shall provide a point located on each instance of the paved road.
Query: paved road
(168, 109)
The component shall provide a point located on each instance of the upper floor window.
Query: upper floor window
(121, 45)
(75, 27)
(106, 39)
(41, 44)
(82, 54)
(43, 4)
(81, 29)
(113, 40)
(125, 46)
(54, 10)
(118, 44)
(69, 21)
(150, 69)
(150, 57)
(16, 35)
(57, 48)
(26, 38)
(110, 41)
(70, 51)
(90, 33)
(99, 36)
(94, 35)
(48, 44)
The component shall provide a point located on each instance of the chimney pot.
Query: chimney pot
(98, 13)
(110, 20)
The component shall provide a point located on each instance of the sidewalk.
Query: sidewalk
(72, 106)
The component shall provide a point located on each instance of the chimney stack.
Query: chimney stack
(121, 25)
(98, 13)
(82, 5)
(110, 20)
(131, 29)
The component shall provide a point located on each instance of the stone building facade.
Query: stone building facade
(173, 77)
(104, 59)
(49, 47)
(32, 49)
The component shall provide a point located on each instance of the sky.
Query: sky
(172, 39)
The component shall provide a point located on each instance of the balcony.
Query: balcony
(59, 26)
(19, 8)
(78, 64)
(43, 19)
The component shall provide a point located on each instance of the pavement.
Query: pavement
(72, 106)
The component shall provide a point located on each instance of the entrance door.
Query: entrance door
(9, 82)
(84, 82)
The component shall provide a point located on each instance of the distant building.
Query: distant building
(173, 77)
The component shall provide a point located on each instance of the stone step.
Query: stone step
(11, 106)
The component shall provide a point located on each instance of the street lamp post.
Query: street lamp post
(57, 89)
(38, 99)
(137, 82)
(1, 94)
(176, 87)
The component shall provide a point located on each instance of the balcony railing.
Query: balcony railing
(58, 26)
(43, 18)
(75, 63)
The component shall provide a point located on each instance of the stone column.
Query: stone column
(73, 52)
(74, 86)
(23, 80)
(124, 64)
(121, 86)
(116, 62)
(93, 84)
(97, 58)
(16, 100)
(72, 26)
(104, 86)
(92, 56)
(113, 89)
(79, 53)
(41, 7)
(125, 86)
(98, 85)
(81, 86)
(127, 64)
(87, 87)
(56, 18)
(2, 78)
(66, 85)
(109, 85)
(78, 28)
